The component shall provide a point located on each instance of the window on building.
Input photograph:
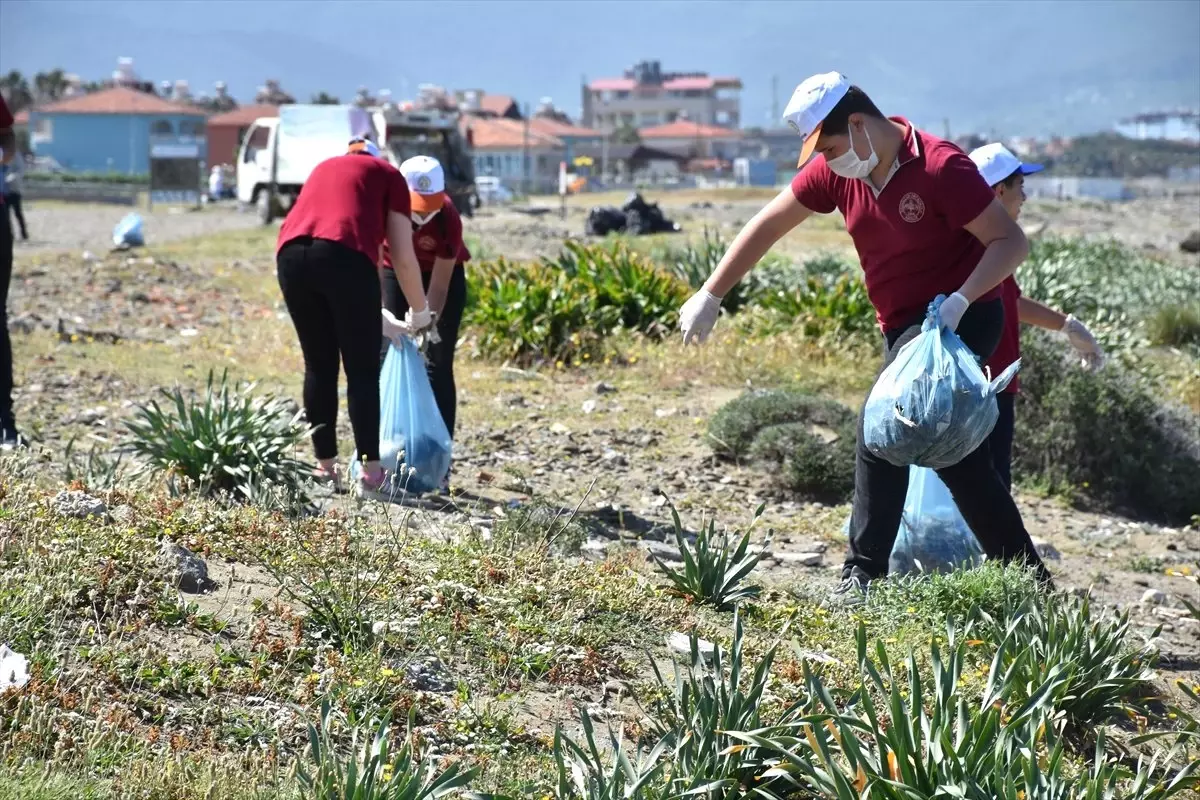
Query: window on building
(650, 118)
(162, 127)
(672, 116)
(43, 130)
(191, 127)
(623, 95)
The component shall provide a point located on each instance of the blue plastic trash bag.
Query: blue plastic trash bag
(128, 232)
(414, 443)
(933, 405)
(933, 535)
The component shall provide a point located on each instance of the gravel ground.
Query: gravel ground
(58, 226)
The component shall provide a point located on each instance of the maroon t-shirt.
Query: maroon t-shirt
(6, 121)
(910, 237)
(346, 199)
(1009, 348)
(441, 237)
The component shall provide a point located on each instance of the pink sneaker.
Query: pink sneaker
(375, 485)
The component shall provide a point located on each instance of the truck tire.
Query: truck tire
(265, 208)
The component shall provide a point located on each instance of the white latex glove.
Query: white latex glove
(698, 316)
(952, 310)
(1084, 343)
(393, 328)
(418, 320)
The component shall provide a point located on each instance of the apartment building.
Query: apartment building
(646, 97)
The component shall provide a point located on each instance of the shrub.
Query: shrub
(828, 303)
(564, 309)
(228, 442)
(1112, 288)
(1176, 326)
(712, 573)
(807, 442)
(694, 263)
(1102, 437)
(376, 773)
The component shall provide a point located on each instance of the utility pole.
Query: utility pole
(946, 127)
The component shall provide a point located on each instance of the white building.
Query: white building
(1177, 126)
(645, 96)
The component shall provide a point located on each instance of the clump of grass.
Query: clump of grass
(960, 595)
(806, 442)
(1104, 438)
(1103, 676)
(223, 443)
(712, 572)
(565, 309)
(375, 771)
(1175, 326)
(1115, 289)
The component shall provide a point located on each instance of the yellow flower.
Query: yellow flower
(912, 609)
(360, 682)
(387, 673)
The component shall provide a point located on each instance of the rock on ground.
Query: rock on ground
(185, 569)
(78, 505)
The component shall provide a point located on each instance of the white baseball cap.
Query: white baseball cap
(996, 162)
(811, 103)
(426, 183)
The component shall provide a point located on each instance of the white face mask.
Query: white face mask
(421, 219)
(849, 165)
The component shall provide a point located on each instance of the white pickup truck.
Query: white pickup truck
(279, 153)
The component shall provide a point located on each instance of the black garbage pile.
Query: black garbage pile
(636, 216)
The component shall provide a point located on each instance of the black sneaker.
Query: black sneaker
(851, 591)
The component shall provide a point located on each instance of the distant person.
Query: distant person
(1005, 173)
(14, 174)
(326, 261)
(216, 183)
(441, 252)
(924, 224)
(9, 437)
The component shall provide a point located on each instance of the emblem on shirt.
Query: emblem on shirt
(426, 243)
(912, 207)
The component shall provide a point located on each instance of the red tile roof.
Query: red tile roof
(243, 116)
(682, 129)
(696, 82)
(505, 134)
(119, 100)
(553, 127)
(688, 84)
(498, 104)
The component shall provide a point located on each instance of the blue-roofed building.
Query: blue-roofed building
(111, 130)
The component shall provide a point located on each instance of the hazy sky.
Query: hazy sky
(1020, 66)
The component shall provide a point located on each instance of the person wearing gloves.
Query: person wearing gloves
(924, 223)
(441, 253)
(326, 264)
(1005, 173)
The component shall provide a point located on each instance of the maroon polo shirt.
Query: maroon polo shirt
(347, 199)
(1008, 349)
(910, 236)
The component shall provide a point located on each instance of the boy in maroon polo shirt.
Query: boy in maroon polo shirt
(1005, 173)
(924, 223)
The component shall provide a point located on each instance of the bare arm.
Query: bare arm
(404, 260)
(1031, 312)
(1006, 249)
(754, 240)
(439, 283)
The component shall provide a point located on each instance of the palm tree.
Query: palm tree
(325, 99)
(16, 91)
(49, 86)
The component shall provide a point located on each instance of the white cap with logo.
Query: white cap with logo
(812, 101)
(996, 162)
(426, 183)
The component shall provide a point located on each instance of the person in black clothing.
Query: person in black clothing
(8, 426)
(441, 253)
(327, 260)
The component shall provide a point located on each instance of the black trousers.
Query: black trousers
(978, 489)
(6, 361)
(1001, 439)
(332, 294)
(13, 201)
(440, 356)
